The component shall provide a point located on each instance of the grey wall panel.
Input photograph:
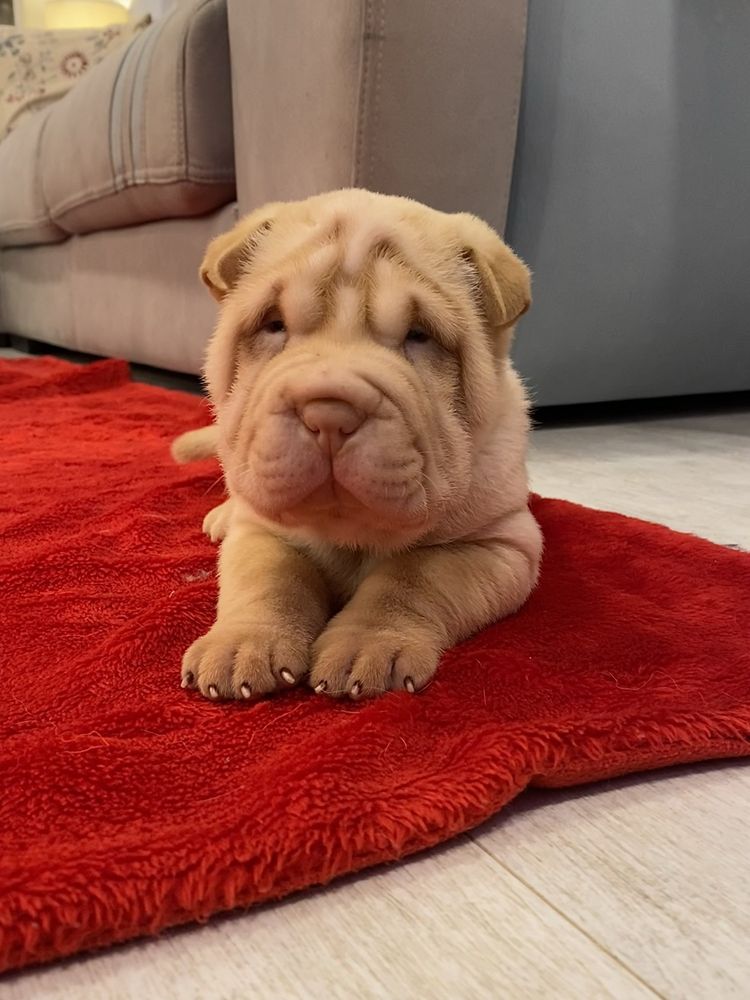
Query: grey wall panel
(631, 198)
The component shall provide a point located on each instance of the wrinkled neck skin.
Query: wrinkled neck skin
(498, 484)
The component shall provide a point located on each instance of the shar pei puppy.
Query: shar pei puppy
(372, 432)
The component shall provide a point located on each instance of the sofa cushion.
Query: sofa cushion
(24, 217)
(64, 293)
(145, 135)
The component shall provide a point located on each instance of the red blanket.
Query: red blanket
(128, 805)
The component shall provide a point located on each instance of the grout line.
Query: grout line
(567, 918)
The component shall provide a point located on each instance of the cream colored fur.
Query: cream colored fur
(372, 432)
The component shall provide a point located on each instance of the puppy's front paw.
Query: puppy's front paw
(244, 661)
(216, 522)
(363, 658)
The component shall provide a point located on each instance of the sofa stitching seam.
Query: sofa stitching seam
(378, 79)
(363, 87)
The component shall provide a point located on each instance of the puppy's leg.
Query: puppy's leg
(192, 445)
(272, 604)
(413, 606)
(216, 522)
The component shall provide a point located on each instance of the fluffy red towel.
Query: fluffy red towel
(128, 805)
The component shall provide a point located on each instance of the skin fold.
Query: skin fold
(372, 432)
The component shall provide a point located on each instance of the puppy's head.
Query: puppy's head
(359, 361)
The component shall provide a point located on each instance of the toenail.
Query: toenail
(356, 690)
(246, 691)
(288, 676)
(212, 691)
(320, 688)
(409, 685)
(187, 680)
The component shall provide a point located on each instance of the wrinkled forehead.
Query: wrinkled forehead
(355, 263)
(356, 232)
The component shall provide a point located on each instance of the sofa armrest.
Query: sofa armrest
(411, 97)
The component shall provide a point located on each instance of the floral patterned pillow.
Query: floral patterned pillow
(39, 67)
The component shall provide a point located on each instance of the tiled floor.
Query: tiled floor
(634, 888)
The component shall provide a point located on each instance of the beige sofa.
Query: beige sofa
(109, 196)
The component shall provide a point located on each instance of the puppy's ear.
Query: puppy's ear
(504, 281)
(228, 254)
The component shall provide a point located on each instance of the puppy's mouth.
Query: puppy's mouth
(351, 490)
(336, 501)
(360, 491)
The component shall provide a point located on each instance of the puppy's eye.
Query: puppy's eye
(274, 326)
(272, 322)
(416, 335)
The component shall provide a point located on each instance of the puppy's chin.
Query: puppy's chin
(333, 515)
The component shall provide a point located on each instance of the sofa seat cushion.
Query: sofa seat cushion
(145, 135)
